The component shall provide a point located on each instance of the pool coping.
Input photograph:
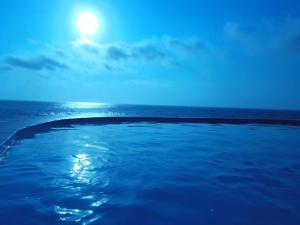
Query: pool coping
(30, 131)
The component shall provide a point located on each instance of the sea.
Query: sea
(160, 171)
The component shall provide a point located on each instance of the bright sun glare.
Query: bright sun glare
(87, 23)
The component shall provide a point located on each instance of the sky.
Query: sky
(243, 54)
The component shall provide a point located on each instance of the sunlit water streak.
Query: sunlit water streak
(144, 173)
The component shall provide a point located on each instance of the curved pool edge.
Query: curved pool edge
(30, 131)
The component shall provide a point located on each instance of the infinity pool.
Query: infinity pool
(152, 174)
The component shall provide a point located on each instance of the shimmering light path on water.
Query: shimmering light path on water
(145, 173)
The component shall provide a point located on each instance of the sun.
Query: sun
(87, 23)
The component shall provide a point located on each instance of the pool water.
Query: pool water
(151, 173)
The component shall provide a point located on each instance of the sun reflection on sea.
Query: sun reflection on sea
(86, 105)
(90, 109)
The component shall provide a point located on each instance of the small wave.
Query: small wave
(71, 215)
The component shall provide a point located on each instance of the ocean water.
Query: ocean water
(148, 172)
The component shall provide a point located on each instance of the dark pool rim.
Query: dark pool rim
(30, 131)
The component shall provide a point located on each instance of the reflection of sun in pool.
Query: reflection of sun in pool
(80, 168)
(87, 23)
(84, 166)
(81, 162)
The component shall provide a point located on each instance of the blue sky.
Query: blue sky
(168, 52)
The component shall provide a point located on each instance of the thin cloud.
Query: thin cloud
(36, 64)
(147, 52)
(116, 53)
(189, 46)
(90, 48)
(294, 44)
(108, 67)
(277, 36)
(86, 56)
(241, 32)
(5, 68)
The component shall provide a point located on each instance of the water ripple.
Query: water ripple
(71, 215)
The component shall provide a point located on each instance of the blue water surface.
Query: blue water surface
(152, 174)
